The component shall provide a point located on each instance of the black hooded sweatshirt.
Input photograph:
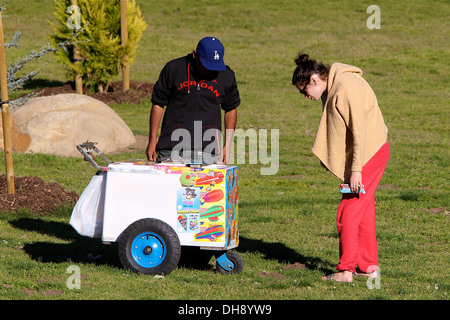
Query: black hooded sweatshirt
(190, 97)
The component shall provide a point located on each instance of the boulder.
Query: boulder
(56, 124)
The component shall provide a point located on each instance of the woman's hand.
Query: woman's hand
(356, 181)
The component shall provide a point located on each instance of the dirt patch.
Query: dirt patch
(443, 210)
(50, 293)
(295, 266)
(35, 194)
(138, 91)
(275, 275)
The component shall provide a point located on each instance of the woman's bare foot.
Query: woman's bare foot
(342, 276)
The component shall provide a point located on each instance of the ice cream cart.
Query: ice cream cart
(154, 209)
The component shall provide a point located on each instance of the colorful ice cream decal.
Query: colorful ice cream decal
(213, 213)
(211, 233)
(207, 204)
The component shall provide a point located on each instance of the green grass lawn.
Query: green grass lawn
(288, 236)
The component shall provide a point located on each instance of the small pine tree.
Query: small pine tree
(102, 55)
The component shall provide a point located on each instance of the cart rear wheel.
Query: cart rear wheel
(149, 246)
(236, 259)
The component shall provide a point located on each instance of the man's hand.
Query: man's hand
(224, 156)
(155, 119)
(230, 120)
(151, 151)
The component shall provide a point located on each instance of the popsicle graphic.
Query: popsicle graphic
(213, 196)
(212, 213)
(210, 179)
(183, 221)
(187, 179)
(211, 233)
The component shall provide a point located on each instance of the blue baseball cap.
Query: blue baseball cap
(210, 51)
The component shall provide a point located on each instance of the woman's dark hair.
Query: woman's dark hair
(306, 68)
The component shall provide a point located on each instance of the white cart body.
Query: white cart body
(199, 203)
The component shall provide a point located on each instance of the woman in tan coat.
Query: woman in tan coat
(351, 142)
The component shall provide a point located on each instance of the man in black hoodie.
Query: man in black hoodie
(194, 89)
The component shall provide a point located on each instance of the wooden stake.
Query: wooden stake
(77, 58)
(5, 113)
(78, 79)
(124, 38)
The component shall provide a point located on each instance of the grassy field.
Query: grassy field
(288, 236)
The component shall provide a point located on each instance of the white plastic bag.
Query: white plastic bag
(87, 215)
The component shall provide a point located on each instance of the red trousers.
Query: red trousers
(356, 219)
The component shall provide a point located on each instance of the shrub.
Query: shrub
(101, 53)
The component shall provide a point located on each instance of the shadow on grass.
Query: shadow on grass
(282, 254)
(80, 249)
(42, 83)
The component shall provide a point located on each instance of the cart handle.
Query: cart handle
(90, 146)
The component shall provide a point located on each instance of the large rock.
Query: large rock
(56, 124)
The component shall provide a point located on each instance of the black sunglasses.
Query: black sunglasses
(303, 91)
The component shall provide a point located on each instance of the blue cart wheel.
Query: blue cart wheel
(149, 246)
(231, 263)
(148, 249)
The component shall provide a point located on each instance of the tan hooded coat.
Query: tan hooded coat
(352, 128)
